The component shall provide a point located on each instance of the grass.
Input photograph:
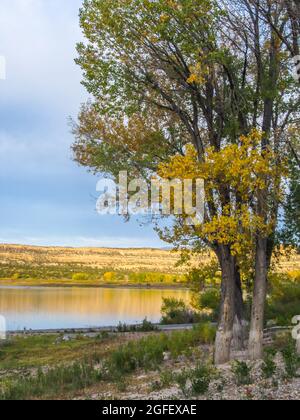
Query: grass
(46, 350)
(149, 352)
(115, 361)
(62, 379)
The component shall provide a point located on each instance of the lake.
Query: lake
(57, 308)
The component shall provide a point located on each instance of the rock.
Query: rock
(66, 338)
(63, 339)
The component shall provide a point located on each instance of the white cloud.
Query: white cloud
(42, 87)
(38, 39)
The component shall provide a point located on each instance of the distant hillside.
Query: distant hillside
(133, 260)
(125, 260)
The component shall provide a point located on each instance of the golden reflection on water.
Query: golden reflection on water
(42, 308)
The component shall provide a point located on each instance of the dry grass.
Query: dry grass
(131, 260)
(109, 259)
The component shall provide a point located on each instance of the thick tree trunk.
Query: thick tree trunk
(239, 326)
(225, 327)
(259, 301)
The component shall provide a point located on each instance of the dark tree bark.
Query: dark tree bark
(239, 326)
(225, 327)
(259, 299)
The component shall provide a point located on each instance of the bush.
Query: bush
(294, 275)
(175, 311)
(153, 278)
(291, 360)
(284, 299)
(80, 277)
(269, 366)
(242, 373)
(207, 333)
(146, 326)
(199, 380)
(181, 379)
(109, 276)
(209, 302)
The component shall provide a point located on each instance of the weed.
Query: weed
(201, 378)
(291, 360)
(242, 373)
(166, 378)
(269, 366)
(53, 382)
(182, 379)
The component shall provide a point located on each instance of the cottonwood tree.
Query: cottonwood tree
(262, 27)
(156, 54)
(205, 73)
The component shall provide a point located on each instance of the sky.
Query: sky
(46, 198)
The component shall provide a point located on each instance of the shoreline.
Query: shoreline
(38, 284)
(94, 330)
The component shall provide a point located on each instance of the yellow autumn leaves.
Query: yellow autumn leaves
(198, 73)
(233, 177)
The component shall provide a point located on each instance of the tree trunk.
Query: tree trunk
(259, 301)
(225, 327)
(298, 346)
(239, 326)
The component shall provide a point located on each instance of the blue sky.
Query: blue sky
(46, 199)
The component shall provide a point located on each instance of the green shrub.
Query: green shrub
(291, 360)
(207, 333)
(166, 378)
(201, 378)
(209, 301)
(146, 326)
(176, 311)
(284, 299)
(152, 278)
(269, 366)
(181, 379)
(242, 373)
(80, 277)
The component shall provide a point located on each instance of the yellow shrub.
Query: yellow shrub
(109, 276)
(295, 275)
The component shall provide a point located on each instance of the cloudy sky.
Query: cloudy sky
(46, 199)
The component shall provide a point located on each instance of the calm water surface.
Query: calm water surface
(47, 308)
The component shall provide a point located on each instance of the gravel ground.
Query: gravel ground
(223, 388)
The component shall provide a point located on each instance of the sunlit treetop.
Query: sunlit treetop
(244, 172)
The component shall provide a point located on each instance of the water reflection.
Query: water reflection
(43, 308)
